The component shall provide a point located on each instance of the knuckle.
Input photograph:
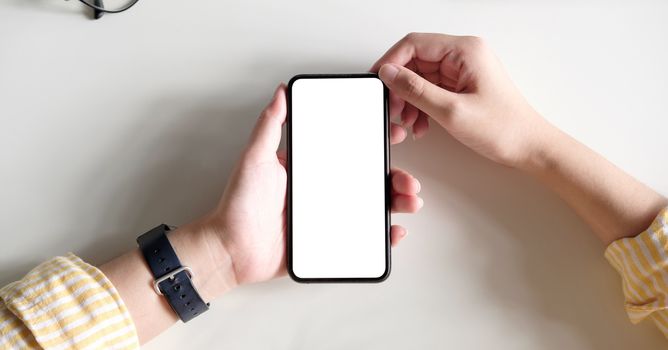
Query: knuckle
(263, 117)
(451, 112)
(269, 114)
(454, 106)
(414, 87)
(412, 36)
(476, 43)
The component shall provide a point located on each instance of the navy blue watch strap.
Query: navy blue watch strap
(172, 280)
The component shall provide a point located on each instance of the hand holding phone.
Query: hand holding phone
(247, 229)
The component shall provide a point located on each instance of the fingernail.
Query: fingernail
(418, 184)
(388, 72)
(420, 202)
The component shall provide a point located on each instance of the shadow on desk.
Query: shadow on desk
(535, 254)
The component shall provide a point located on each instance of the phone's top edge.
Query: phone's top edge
(332, 76)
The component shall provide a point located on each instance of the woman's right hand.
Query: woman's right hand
(457, 81)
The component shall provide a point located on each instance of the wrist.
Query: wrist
(199, 247)
(545, 149)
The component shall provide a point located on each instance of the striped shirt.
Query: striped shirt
(64, 303)
(642, 261)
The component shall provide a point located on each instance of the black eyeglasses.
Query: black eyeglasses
(108, 6)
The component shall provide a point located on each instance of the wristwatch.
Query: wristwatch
(171, 279)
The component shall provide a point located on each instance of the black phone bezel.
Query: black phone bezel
(388, 197)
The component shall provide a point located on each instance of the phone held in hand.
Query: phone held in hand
(338, 200)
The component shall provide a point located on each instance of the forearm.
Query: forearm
(198, 248)
(610, 201)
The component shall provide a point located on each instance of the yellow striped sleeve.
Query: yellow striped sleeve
(642, 261)
(64, 303)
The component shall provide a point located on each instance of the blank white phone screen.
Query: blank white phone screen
(338, 178)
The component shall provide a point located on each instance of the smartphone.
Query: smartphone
(338, 199)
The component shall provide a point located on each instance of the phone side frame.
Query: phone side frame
(387, 181)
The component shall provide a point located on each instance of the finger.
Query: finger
(421, 46)
(282, 157)
(426, 67)
(397, 134)
(421, 126)
(404, 183)
(282, 154)
(402, 203)
(416, 90)
(449, 83)
(411, 65)
(451, 65)
(434, 78)
(266, 135)
(409, 115)
(397, 233)
(396, 105)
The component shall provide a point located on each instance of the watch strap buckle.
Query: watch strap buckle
(170, 276)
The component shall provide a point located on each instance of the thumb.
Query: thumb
(266, 135)
(416, 90)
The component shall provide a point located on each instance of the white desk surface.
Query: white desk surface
(109, 127)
